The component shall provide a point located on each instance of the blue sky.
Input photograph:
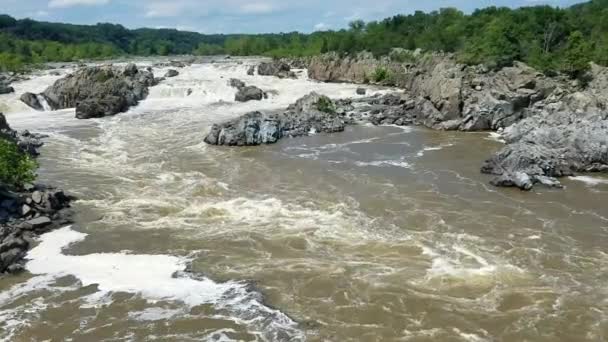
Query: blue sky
(238, 16)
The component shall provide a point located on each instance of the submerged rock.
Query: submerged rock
(6, 89)
(313, 113)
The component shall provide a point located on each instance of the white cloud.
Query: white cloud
(71, 3)
(322, 27)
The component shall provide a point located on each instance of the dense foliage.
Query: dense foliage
(16, 167)
(549, 38)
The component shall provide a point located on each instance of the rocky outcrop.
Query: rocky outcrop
(6, 89)
(102, 84)
(465, 98)
(23, 216)
(311, 114)
(29, 210)
(275, 68)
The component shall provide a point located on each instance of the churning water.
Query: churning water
(374, 234)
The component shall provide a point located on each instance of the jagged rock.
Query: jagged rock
(236, 83)
(171, 73)
(97, 108)
(361, 91)
(31, 100)
(276, 68)
(251, 70)
(311, 114)
(98, 83)
(249, 93)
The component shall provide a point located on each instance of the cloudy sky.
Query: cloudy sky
(237, 16)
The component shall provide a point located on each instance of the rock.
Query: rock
(313, 113)
(518, 179)
(276, 68)
(157, 80)
(361, 91)
(37, 197)
(189, 91)
(37, 223)
(103, 84)
(251, 70)
(171, 73)
(25, 210)
(31, 100)
(10, 257)
(98, 108)
(12, 242)
(236, 83)
(253, 128)
(6, 89)
(249, 93)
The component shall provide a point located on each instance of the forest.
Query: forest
(549, 38)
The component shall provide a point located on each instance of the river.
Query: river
(374, 234)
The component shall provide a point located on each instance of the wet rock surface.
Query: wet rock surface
(246, 93)
(115, 89)
(311, 114)
(279, 69)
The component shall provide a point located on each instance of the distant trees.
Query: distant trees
(548, 38)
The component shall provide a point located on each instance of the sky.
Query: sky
(238, 16)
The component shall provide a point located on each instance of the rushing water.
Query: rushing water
(374, 234)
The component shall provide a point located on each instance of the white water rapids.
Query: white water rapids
(374, 234)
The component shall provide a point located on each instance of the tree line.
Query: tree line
(549, 38)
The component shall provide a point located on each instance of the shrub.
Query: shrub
(380, 74)
(326, 105)
(16, 167)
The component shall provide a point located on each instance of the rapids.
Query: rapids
(374, 234)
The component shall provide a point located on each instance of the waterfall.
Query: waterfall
(43, 103)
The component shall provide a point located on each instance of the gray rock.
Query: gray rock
(276, 68)
(6, 89)
(31, 100)
(171, 73)
(251, 70)
(99, 83)
(236, 83)
(39, 222)
(311, 114)
(98, 108)
(249, 93)
(12, 242)
(37, 197)
(361, 91)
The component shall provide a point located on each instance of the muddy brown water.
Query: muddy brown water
(373, 234)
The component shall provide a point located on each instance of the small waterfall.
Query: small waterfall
(43, 103)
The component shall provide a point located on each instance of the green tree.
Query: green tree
(16, 167)
(577, 56)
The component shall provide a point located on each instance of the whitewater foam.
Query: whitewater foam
(153, 277)
(591, 181)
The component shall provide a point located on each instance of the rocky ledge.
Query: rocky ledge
(29, 211)
(553, 126)
(96, 91)
(311, 114)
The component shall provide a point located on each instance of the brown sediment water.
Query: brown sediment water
(374, 234)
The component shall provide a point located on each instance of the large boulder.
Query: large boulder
(249, 93)
(276, 68)
(98, 83)
(311, 114)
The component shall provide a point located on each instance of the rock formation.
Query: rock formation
(113, 90)
(311, 114)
